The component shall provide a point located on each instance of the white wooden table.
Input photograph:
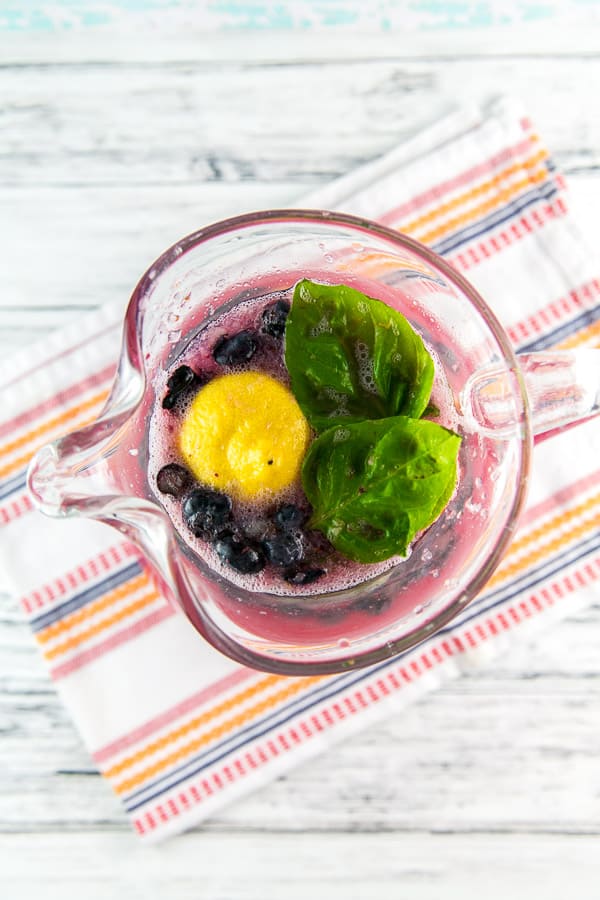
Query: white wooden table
(110, 150)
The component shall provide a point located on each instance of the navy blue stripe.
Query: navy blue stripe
(492, 221)
(563, 331)
(479, 608)
(86, 596)
(250, 733)
(302, 705)
(316, 695)
(16, 483)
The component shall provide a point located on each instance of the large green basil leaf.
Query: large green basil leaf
(374, 485)
(352, 358)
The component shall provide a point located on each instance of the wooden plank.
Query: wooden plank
(275, 865)
(147, 125)
(198, 41)
(511, 747)
(67, 250)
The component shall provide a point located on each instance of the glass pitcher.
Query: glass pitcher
(499, 402)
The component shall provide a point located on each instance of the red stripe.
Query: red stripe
(526, 607)
(166, 718)
(560, 498)
(490, 246)
(434, 194)
(581, 298)
(15, 509)
(115, 640)
(56, 589)
(61, 399)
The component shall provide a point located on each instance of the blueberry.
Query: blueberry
(172, 479)
(274, 318)
(284, 549)
(241, 556)
(183, 379)
(299, 576)
(372, 605)
(206, 512)
(289, 517)
(233, 351)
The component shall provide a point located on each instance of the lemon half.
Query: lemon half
(244, 434)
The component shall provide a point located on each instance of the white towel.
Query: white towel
(179, 730)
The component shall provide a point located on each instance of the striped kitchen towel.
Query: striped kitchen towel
(179, 730)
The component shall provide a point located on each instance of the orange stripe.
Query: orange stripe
(270, 681)
(503, 196)
(591, 333)
(91, 609)
(225, 706)
(71, 413)
(293, 686)
(507, 569)
(478, 190)
(52, 423)
(93, 630)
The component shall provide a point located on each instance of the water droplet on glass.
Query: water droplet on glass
(173, 336)
(426, 555)
(343, 642)
(435, 573)
(133, 452)
(328, 258)
(418, 610)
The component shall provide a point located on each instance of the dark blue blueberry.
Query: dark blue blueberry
(274, 318)
(206, 512)
(173, 479)
(240, 555)
(289, 517)
(373, 605)
(284, 549)
(299, 576)
(236, 350)
(182, 380)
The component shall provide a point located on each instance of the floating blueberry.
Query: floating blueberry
(274, 318)
(241, 556)
(302, 576)
(236, 350)
(183, 379)
(172, 479)
(206, 512)
(374, 605)
(284, 549)
(289, 517)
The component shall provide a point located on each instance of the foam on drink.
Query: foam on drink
(254, 517)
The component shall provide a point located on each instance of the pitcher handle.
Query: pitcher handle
(562, 387)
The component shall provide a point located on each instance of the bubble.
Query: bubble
(162, 449)
(426, 555)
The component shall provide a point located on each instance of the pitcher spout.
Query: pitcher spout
(72, 476)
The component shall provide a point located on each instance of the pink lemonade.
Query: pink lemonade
(335, 584)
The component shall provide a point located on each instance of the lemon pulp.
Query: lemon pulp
(244, 434)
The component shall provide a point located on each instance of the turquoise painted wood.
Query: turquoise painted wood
(378, 15)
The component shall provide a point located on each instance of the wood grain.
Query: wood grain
(112, 149)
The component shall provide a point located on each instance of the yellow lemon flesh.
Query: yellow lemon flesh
(245, 435)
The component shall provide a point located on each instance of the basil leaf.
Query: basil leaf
(352, 358)
(374, 485)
